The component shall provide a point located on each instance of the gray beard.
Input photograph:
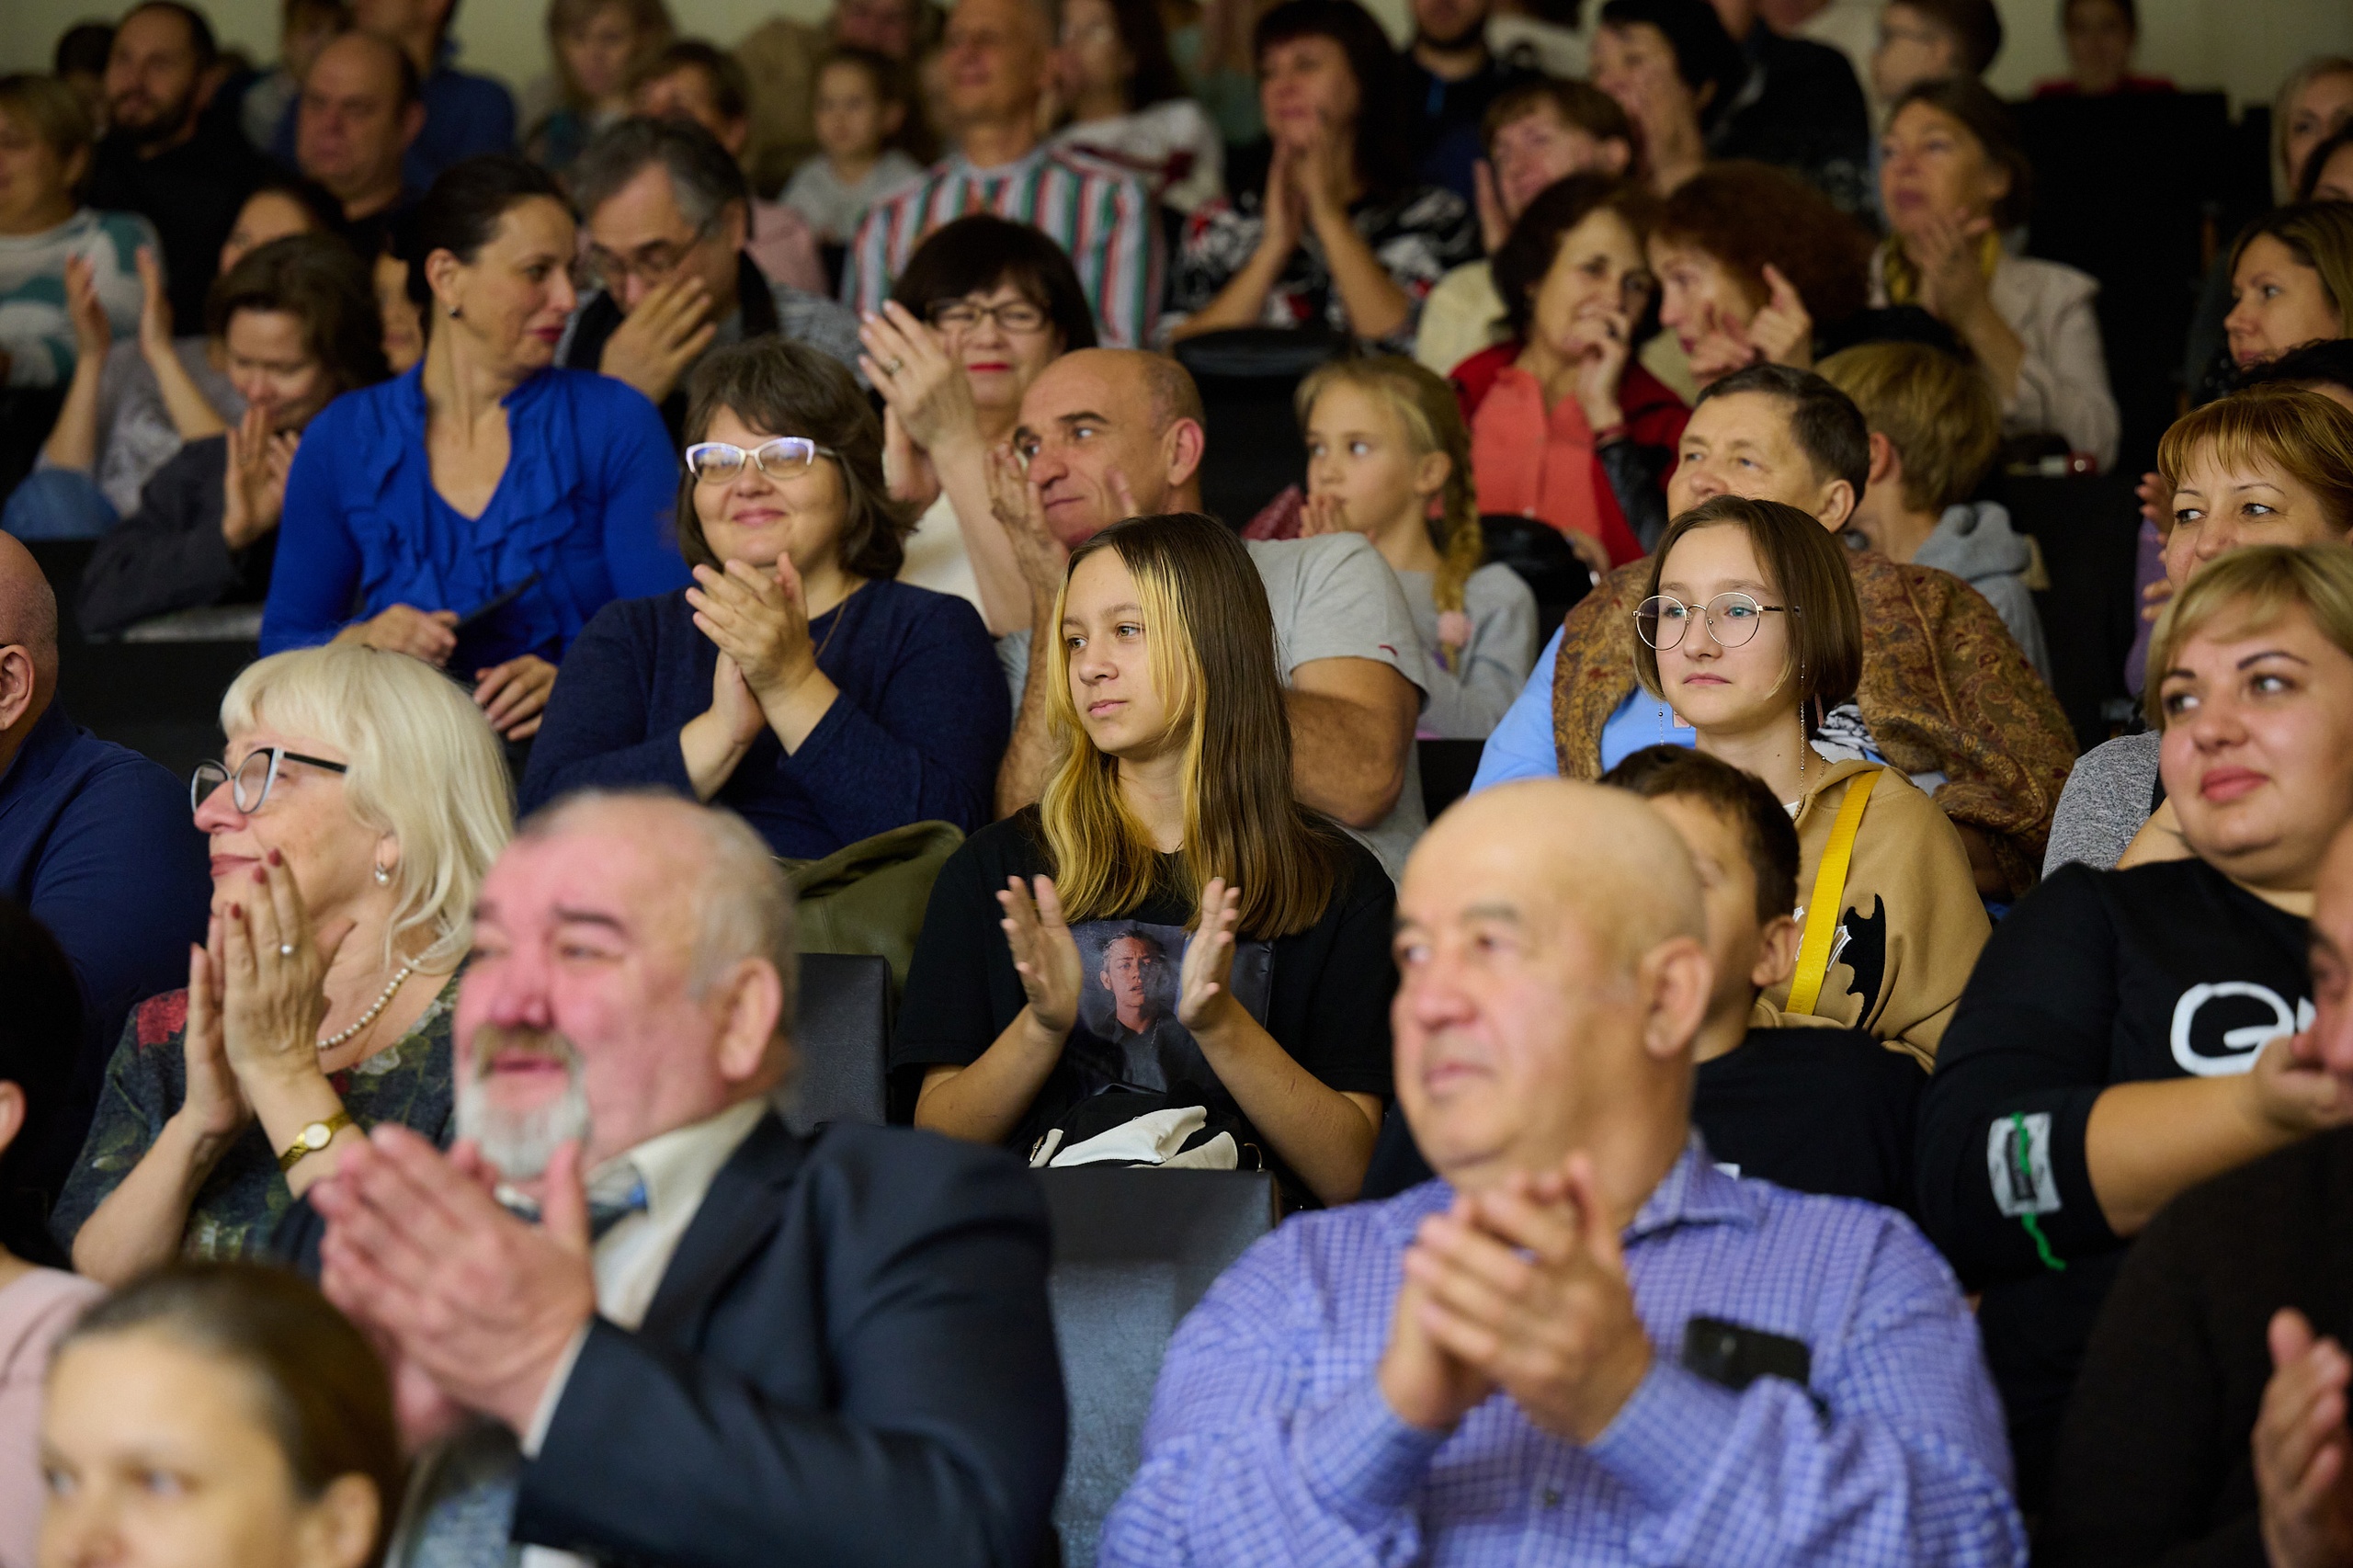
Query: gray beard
(521, 1142)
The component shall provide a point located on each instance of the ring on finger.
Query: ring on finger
(893, 366)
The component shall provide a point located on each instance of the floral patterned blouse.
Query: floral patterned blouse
(1418, 237)
(412, 1081)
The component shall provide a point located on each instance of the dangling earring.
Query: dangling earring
(383, 878)
(1804, 742)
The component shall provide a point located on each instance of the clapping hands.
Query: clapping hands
(1523, 1288)
(1044, 953)
(2304, 1454)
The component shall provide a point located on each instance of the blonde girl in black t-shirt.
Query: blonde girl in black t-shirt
(1170, 806)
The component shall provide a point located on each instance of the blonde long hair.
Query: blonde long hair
(1210, 642)
(1425, 405)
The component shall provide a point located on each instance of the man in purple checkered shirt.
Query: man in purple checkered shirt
(1486, 1368)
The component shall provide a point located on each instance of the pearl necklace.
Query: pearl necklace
(384, 1000)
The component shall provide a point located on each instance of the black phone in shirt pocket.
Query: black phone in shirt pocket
(1733, 1355)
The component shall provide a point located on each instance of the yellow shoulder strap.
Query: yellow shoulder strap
(1829, 894)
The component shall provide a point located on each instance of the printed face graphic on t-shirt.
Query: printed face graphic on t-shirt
(1128, 1030)
(1133, 963)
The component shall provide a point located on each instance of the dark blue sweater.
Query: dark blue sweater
(915, 736)
(100, 844)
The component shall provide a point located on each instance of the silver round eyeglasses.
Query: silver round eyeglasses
(787, 457)
(1732, 619)
(249, 785)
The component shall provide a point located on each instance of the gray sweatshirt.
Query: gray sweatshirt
(1974, 542)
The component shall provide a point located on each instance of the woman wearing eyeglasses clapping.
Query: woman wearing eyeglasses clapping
(1751, 631)
(984, 306)
(796, 683)
(362, 800)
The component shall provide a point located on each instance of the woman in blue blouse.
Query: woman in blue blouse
(796, 683)
(479, 509)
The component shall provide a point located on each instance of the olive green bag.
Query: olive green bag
(869, 897)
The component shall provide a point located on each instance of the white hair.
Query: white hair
(423, 764)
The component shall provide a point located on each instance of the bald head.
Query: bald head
(358, 114)
(28, 609)
(1613, 866)
(1553, 974)
(1101, 412)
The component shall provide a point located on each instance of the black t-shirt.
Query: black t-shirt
(191, 193)
(1814, 1110)
(2155, 1465)
(2096, 978)
(1323, 994)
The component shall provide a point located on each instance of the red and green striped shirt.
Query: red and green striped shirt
(1099, 212)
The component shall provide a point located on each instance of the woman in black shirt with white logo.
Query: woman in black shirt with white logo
(2130, 1034)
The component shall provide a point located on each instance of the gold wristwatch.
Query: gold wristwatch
(313, 1138)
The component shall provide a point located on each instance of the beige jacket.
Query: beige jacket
(1911, 921)
(2062, 383)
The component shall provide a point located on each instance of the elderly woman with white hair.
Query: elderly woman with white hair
(363, 799)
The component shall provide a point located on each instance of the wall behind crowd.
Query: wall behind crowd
(2199, 43)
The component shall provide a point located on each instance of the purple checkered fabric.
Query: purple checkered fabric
(1270, 1442)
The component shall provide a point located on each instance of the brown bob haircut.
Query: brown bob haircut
(1526, 255)
(1749, 215)
(1807, 568)
(788, 389)
(2303, 434)
(1936, 411)
(322, 283)
(1581, 106)
(317, 1385)
(1738, 798)
(979, 252)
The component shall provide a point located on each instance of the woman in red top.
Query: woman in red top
(1565, 427)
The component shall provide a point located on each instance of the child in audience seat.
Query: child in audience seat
(1388, 457)
(1752, 633)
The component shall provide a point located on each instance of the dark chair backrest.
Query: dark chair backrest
(1134, 1249)
(1246, 377)
(841, 1037)
(1544, 562)
(2089, 530)
(2123, 186)
(160, 699)
(1448, 767)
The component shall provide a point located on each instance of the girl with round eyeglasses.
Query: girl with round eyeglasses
(796, 683)
(1751, 632)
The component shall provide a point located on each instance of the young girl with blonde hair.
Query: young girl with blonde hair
(1168, 927)
(1388, 456)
